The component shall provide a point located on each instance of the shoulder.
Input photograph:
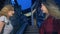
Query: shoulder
(3, 18)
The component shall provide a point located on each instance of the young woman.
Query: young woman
(51, 24)
(5, 13)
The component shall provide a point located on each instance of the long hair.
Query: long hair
(53, 9)
(5, 10)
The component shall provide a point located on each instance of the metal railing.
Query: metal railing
(32, 8)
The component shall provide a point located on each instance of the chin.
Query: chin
(11, 15)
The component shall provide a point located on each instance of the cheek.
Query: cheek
(10, 14)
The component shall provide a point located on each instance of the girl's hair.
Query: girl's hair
(5, 10)
(53, 8)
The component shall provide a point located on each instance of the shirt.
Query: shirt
(8, 26)
(50, 26)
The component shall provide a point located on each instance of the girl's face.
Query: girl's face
(10, 13)
(44, 9)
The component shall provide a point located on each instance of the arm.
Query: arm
(2, 22)
(1, 26)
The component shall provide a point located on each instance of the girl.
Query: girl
(51, 25)
(5, 13)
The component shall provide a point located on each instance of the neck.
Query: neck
(46, 16)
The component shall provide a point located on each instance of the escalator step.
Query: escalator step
(31, 30)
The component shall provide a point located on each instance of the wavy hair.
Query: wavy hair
(5, 10)
(53, 9)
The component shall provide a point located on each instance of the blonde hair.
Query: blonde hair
(5, 10)
(53, 9)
